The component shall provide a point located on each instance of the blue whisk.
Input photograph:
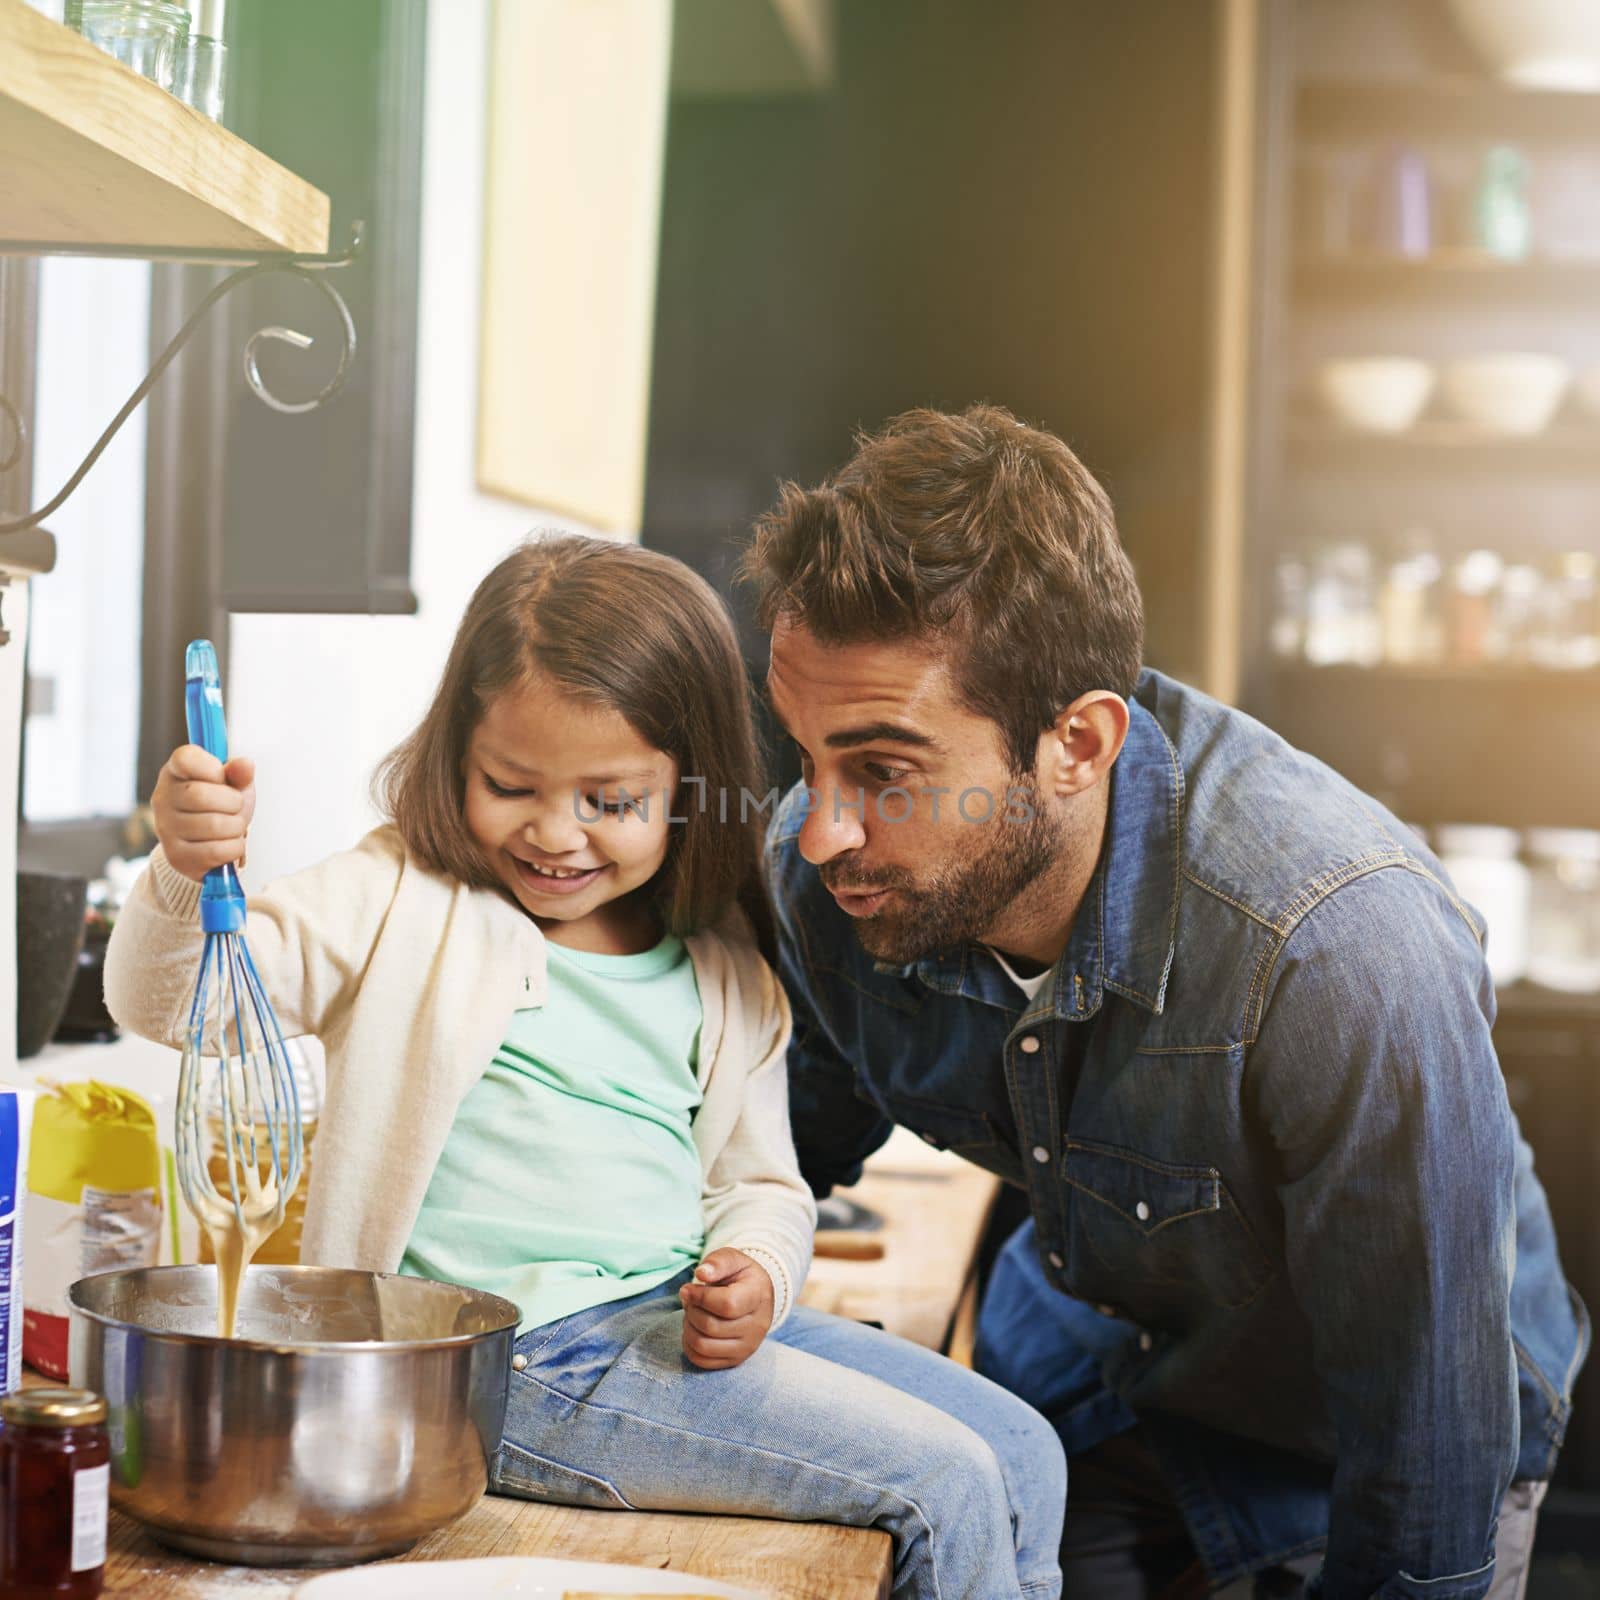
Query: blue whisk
(256, 1110)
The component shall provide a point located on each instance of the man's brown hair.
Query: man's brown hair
(973, 529)
(612, 625)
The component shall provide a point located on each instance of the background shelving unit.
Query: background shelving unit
(1507, 744)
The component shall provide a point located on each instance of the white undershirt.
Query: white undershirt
(1029, 986)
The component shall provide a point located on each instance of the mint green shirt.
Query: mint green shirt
(570, 1176)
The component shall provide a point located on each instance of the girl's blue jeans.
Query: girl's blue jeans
(829, 1421)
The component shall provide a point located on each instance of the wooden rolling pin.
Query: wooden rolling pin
(839, 1246)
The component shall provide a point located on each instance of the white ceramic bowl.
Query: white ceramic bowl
(1510, 393)
(1536, 44)
(1381, 394)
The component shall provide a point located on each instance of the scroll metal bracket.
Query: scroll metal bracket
(309, 269)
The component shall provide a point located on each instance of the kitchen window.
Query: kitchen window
(81, 712)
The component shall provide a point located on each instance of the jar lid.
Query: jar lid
(1581, 844)
(208, 18)
(53, 1408)
(1476, 841)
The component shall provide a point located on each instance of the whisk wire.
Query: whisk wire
(260, 1136)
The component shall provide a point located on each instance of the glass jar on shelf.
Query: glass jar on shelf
(1484, 866)
(1341, 608)
(143, 34)
(1577, 587)
(1519, 612)
(1409, 622)
(1564, 927)
(200, 77)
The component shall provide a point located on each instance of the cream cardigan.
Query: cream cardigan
(410, 979)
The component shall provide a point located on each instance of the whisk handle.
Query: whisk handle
(221, 898)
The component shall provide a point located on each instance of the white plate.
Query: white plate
(521, 1577)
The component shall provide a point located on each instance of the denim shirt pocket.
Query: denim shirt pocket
(972, 1135)
(1150, 1222)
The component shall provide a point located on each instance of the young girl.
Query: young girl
(556, 1072)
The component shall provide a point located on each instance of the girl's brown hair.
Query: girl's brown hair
(612, 625)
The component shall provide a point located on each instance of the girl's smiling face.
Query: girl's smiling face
(570, 806)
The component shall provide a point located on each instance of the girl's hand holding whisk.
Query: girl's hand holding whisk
(727, 1310)
(203, 810)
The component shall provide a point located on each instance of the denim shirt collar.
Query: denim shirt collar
(1125, 932)
(1140, 878)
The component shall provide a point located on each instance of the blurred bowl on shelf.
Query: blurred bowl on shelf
(1536, 44)
(1507, 393)
(1379, 394)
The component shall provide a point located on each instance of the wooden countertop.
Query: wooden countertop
(935, 1207)
(787, 1560)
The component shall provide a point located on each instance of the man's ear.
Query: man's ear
(1082, 745)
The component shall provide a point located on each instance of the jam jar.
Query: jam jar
(55, 1479)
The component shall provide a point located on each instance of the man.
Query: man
(1289, 1282)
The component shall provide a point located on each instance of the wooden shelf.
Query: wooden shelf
(1447, 271)
(1523, 1001)
(1454, 445)
(92, 154)
(1477, 106)
(1387, 677)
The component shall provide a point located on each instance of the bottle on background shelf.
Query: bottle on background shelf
(1471, 621)
(1286, 635)
(1341, 608)
(1410, 621)
(1483, 863)
(1501, 220)
(1398, 214)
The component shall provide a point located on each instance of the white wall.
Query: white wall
(317, 700)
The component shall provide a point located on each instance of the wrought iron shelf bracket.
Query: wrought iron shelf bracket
(309, 269)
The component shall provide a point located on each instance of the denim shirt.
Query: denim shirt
(1281, 1212)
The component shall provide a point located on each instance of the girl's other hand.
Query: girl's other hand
(727, 1310)
(203, 809)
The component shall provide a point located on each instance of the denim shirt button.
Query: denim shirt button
(518, 1362)
(1146, 1343)
(1106, 1310)
(1040, 1154)
(1056, 1261)
(1142, 1211)
(1029, 1044)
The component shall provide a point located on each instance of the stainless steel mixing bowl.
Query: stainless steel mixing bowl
(355, 1412)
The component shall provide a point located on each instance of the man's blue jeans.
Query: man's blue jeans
(828, 1421)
